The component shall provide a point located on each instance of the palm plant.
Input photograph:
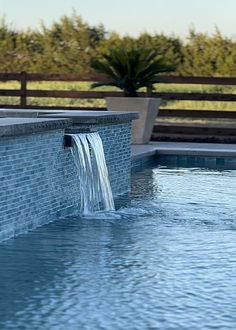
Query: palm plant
(130, 69)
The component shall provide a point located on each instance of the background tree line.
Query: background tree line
(69, 45)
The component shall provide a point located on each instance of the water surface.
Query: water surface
(166, 259)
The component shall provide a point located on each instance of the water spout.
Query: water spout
(88, 153)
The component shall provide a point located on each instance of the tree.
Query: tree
(205, 55)
(69, 44)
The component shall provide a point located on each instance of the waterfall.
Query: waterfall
(88, 153)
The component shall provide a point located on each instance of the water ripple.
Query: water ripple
(166, 259)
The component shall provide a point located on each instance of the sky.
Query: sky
(128, 16)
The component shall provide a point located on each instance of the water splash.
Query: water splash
(88, 153)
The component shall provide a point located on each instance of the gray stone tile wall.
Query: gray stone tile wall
(37, 181)
(38, 178)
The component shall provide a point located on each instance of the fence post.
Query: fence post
(149, 91)
(23, 89)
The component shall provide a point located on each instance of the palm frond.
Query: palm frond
(130, 69)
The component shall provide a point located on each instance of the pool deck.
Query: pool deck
(183, 148)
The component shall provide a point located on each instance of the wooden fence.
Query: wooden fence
(23, 93)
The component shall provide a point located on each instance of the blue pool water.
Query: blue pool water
(166, 259)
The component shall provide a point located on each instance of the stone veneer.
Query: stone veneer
(38, 177)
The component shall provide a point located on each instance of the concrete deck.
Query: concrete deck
(183, 148)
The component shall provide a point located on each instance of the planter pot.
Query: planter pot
(148, 110)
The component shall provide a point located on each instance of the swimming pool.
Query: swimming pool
(166, 259)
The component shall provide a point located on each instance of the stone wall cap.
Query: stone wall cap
(27, 113)
(22, 126)
(94, 117)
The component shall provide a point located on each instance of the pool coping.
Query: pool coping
(94, 117)
(152, 149)
(21, 126)
(77, 116)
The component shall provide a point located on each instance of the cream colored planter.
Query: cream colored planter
(148, 110)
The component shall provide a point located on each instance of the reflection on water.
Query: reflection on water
(164, 260)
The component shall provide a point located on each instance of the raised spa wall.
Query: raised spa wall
(38, 177)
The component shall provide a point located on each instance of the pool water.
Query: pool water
(166, 259)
